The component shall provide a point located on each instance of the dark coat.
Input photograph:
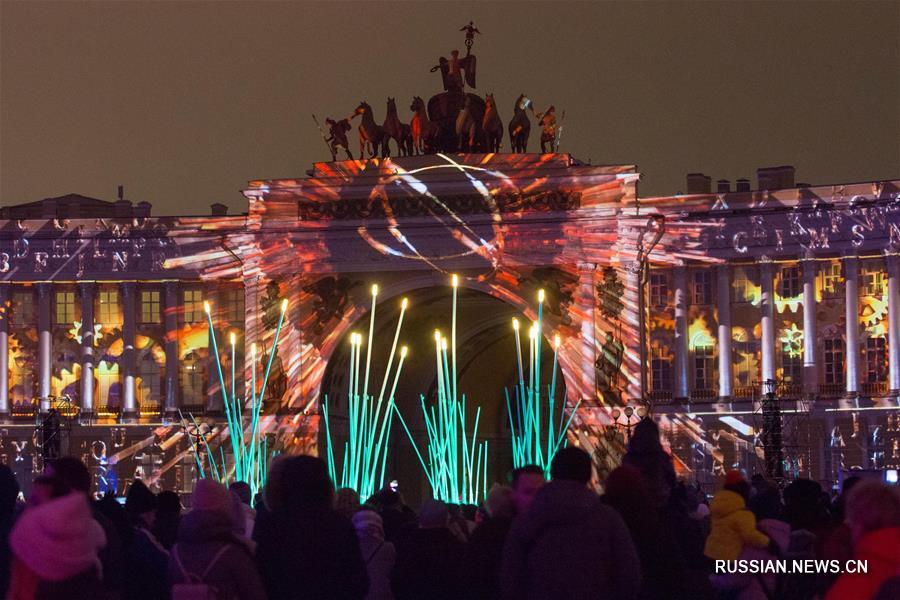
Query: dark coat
(569, 544)
(309, 554)
(483, 555)
(144, 568)
(201, 535)
(428, 566)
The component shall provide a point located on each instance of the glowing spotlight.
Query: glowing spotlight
(206, 306)
(454, 281)
(403, 351)
(375, 289)
(556, 341)
(541, 295)
(404, 303)
(515, 324)
(284, 305)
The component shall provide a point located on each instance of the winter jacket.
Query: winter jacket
(202, 534)
(429, 565)
(379, 555)
(881, 549)
(482, 558)
(733, 527)
(764, 586)
(569, 544)
(144, 569)
(646, 454)
(309, 553)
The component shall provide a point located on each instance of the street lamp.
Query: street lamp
(629, 413)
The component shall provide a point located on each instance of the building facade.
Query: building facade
(689, 307)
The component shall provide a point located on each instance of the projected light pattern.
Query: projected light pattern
(369, 419)
(529, 446)
(457, 463)
(249, 449)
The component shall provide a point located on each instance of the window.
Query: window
(741, 285)
(659, 289)
(150, 307)
(21, 385)
(233, 305)
(661, 371)
(192, 376)
(872, 282)
(876, 360)
(108, 312)
(834, 361)
(151, 380)
(702, 287)
(64, 304)
(193, 306)
(790, 286)
(791, 366)
(832, 280)
(703, 367)
(22, 309)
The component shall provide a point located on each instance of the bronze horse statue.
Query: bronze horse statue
(395, 130)
(520, 125)
(424, 131)
(491, 125)
(371, 136)
(467, 127)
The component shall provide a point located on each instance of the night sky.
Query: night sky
(182, 103)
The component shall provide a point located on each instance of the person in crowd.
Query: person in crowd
(398, 518)
(458, 524)
(75, 476)
(207, 552)
(168, 517)
(838, 543)
(569, 544)
(663, 564)
(525, 483)
(873, 515)
(44, 488)
(646, 454)
(766, 506)
(346, 502)
(243, 492)
(55, 547)
(378, 554)
(733, 526)
(305, 549)
(485, 548)
(429, 559)
(144, 572)
(9, 492)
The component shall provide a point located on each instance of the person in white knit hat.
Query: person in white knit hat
(55, 547)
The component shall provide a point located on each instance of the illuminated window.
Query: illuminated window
(110, 387)
(791, 366)
(150, 306)
(192, 377)
(233, 305)
(872, 282)
(22, 309)
(834, 361)
(661, 371)
(659, 289)
(193, 306)
(64, 308)
(703, 367)
(876, 360)
(151, 380)
(832, 280)
(790, 286)
(21, 385)
(108, 312)
(741, 285)
(702, 287)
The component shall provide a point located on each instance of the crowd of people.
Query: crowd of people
(647, 536)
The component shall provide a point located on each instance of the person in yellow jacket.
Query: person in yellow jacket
(733, 527)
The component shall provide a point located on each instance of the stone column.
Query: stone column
(45, 338)
(810, 335)
(87, 290)
(767, 321)
(587, 303)
(128, 352)
(682, 391)
(850, 270)
(5, 305)
(893, 269)
(723, 306)
(172, 358)
(214, 402)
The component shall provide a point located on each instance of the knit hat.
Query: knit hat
(140, 499)
(434, 514)
(734, 477)
(59, 538)
(368, 521)
(212, 496)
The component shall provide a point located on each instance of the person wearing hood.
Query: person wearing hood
(378, 554)
(144, 570)
(646, 454)
(766, 506)
(429, 559)
(56, 549)
(873, 515)
(569, 544)
(733, 526)
(207, 550)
